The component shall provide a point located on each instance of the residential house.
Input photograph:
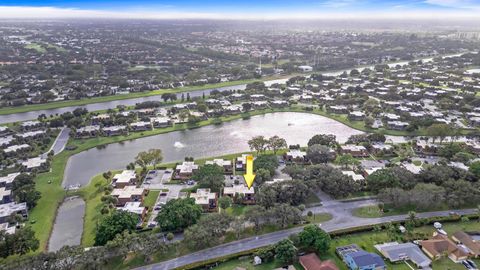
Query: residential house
(338, 109)
(100, 119)
(34, 163)
(356, 116)
(225, 164)
(397, 125)
(241, 162)
(396, 252)
(354, 150)
(32, 134)
(115, 130)
(141, 126)
(9, 209)
(7, 181)
(381, 149)
(358, 259)
(128, 194)
(87, 132)
(240, 194)
(126, 178)
(161, 122)
(312, 262)
(135, 208)
(31, 125)
(441, 245)
(13, 149)
(4, 131)
(185, 170)
(465, 239)
(279, 104)
(355, 176)
(5, 195)
(295, 156)
(206, 199)
(6, 141)
(362, 260)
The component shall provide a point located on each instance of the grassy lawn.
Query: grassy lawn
(37, 47)
(247, 264)
(312, 199)
(374, 212)
(92, 195)
(319, 218)
(150, 200)
(237, 210)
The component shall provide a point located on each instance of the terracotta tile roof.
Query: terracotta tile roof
(312, 262)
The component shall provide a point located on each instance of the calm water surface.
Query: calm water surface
(68, 227)
(209, 141)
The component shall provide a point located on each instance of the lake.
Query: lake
(209, 141)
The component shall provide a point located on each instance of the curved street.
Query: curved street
(342, 218)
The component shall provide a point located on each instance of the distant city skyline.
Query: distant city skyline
(247, 9)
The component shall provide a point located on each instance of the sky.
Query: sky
(241, 9)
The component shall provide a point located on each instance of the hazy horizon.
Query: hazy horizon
(245, 10)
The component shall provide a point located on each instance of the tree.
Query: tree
(262, 175)
(225, 202)
(381, 179)
(267, 254)
(110, 226)
(285, 215)
(346, 160)
(20, 242)
(313, 237)
(156, 155)
(318, 154)
(258, 143)
(178, 214)
(475, 168)
(285, 251)
(440, 131)
(267, 162)
(208, 231)
(210, 176)
(143, 159)
(23, 190)
(275, 143)
(328, 140)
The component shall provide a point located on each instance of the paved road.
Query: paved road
(60, 142)
(337, 223)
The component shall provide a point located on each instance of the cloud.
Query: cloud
(461, 4)
(13, 12)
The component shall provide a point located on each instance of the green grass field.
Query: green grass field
(37, 47)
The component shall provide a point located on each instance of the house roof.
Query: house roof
(406, 251)
(467, 241)
(363, 258)
(312, 262)
(440, 244)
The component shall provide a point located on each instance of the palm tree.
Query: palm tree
(412, 215)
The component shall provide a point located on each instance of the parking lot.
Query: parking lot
(158, 180)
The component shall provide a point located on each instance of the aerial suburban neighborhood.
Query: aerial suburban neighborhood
(225, 144)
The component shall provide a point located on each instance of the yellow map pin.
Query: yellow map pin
(249, 176)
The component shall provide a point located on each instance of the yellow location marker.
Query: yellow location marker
(249, 176)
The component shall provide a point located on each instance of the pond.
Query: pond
(68, 227)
